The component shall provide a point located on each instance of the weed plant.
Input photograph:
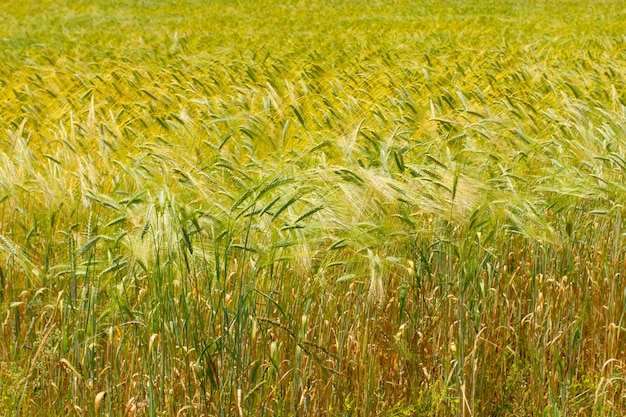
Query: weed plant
(312, 208)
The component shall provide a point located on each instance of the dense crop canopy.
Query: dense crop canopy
(312, 208)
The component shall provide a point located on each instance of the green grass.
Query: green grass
(312, 208)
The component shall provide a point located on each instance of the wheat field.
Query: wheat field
(312, 208)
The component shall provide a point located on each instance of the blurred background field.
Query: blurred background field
(308, 208)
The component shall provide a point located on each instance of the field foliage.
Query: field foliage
(342, 208)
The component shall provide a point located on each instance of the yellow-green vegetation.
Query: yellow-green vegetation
(341, 208)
